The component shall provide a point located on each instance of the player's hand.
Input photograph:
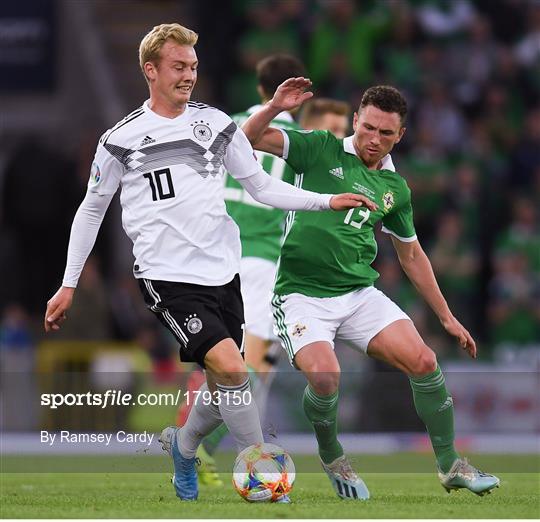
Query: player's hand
(348, 200)
(455, 328)
(57, 306)
(291, 94)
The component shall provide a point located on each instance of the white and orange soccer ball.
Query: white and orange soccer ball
(263, 473)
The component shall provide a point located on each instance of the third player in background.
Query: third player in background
(261, 229)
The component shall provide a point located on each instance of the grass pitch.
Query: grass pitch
(395, 494)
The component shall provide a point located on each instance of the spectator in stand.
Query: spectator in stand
(514, 309)
(528, 48)
(426, 169)
(39, 196)
(525, 157)
(441, 116)
(17, 358)
(397, 57)
(269, 33)
(502, 117)
(15, 335)
(455, 263)
(128, 311)
(463, 195)
(90, 314)
(472, 61)
(523, 233)
(342, 46)
(443, 19)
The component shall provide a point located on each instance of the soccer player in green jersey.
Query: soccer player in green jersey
(261, 226)
(324, 288)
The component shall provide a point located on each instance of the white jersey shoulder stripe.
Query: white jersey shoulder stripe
(178, 152)
(199, 105)
(128, 119)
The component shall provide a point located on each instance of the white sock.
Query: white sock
(240, 414)
(260, 392)
(202, 420)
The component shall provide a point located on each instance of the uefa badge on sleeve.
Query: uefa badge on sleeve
(95, 174)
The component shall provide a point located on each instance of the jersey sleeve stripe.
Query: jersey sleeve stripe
(403, 239)
(198, 105)
(286, 143)
(125, 121)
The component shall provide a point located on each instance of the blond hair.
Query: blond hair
(152, 43)
(318, 107)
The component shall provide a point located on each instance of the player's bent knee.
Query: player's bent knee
(425, 363)
(324, 380)
(226, 365)
(230, 372)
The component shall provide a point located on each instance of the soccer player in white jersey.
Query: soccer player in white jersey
(168, 157)
(324, 287)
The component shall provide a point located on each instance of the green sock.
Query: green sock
(213, 440)
(322, 413)
(435, 407)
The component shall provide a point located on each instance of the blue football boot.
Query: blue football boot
(185, 475)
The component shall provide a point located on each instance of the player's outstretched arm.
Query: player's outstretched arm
(241, 163)
(84, 231)
(417, 266)
(289, 95)
(276, 193)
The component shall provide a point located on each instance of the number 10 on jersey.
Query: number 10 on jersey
(155, 180)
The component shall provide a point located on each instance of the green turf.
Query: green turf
(150, 495)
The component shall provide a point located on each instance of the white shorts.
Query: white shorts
(353, 318)
(257, 278)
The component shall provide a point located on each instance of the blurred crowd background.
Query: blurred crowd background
(470, 70)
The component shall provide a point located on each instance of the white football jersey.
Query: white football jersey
(172, 191)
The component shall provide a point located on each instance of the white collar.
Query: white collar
(386, 162)
(175, 120)
(348, 145)
(285, 115)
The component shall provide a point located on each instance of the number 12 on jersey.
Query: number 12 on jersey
(155, 180)
(365, 213)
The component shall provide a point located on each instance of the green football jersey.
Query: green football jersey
(261, 226)
(326, 254)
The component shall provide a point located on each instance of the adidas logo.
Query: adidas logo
(147, 140)
(337, 172)
(447, 403)
(323, 423)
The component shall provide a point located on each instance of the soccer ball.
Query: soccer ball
(263, 473)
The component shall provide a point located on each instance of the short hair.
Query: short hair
(273, 70)
(152, 43)
(386, 98)
(317, 107)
